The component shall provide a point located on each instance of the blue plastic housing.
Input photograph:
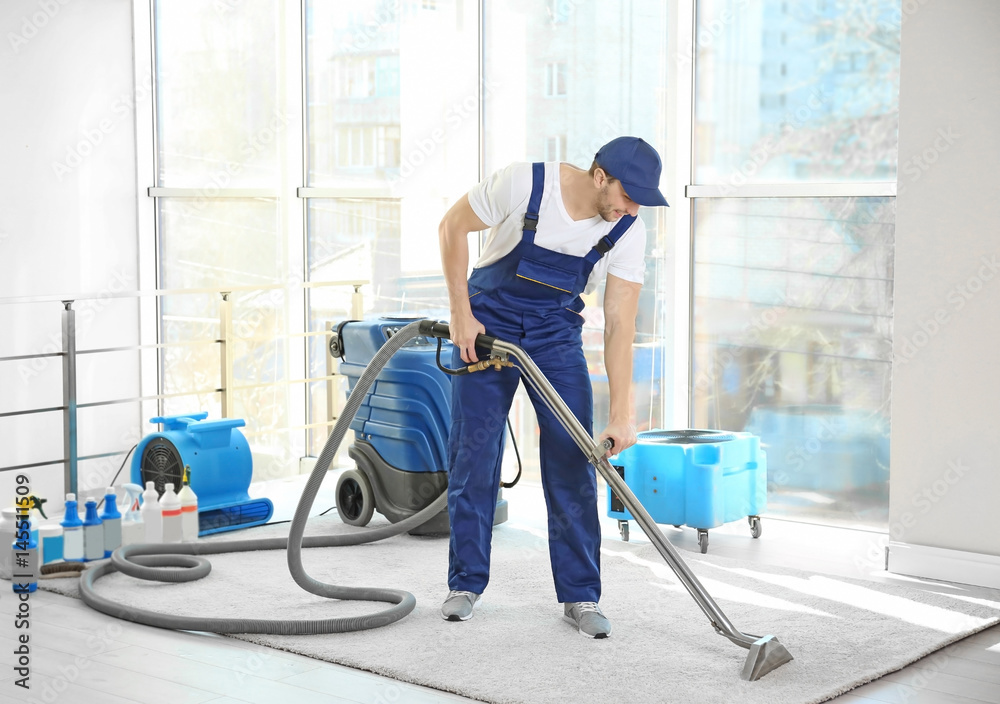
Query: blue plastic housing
(702, 485)
(221, 469)
(406, 414)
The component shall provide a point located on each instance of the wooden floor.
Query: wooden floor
(80, 656)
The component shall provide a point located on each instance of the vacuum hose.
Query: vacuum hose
(182, 562)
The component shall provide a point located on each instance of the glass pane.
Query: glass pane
(793, 342)
(213, 244)
(550, 96)
(392, 95)
(218, 115)
(795, 91)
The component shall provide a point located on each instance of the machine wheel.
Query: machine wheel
(755, 528)
(623, 529)
(703, 540)
(355, 499)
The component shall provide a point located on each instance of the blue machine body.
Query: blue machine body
(699, 484)
(406, 414)
(401, 428)
(221, 469)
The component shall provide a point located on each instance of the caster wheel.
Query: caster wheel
(755, 527)
(355, 499)
(703, 540)
(623, 529)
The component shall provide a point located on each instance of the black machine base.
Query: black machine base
(399, 494)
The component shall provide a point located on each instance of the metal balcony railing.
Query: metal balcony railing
(69, 354)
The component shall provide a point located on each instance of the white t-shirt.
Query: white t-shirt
(501, 200)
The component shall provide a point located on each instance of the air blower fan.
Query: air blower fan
(220, 469)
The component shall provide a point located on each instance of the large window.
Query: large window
(303, 142)
(223, 123)
(794, 167)
(602, 94)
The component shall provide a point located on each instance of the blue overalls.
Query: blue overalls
(531, 298)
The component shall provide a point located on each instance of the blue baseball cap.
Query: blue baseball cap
(637, 165)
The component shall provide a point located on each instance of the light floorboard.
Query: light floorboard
(124, 662)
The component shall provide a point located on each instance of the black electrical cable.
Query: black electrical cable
(513, 440)
(120, 468)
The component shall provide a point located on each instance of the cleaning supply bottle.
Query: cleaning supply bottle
(72, 531)
(170, 508)
(50, 544)
(133, 529)
(93, 533)
(24, 568)
(111, 517)
(37, 514)
(151, 516)
(189, 509)
(8, 526)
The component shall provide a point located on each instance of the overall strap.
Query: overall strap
(609, 240)
(534, 202)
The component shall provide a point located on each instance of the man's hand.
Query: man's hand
(622, 432)
(464, 329)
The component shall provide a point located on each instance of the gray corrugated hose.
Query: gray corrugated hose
(154, 561)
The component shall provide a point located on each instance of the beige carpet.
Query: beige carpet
(841, 632)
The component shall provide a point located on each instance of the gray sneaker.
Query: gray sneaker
(588, 618)
(459, 605)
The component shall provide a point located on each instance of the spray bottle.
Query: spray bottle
(133, 529)
(170, 507)
(24, 568)
(112, 520)
(93, 533)
(151, 514)
(37, 514)
(72, 532)
(189, 508)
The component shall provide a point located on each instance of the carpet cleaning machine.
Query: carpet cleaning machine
(182, 562)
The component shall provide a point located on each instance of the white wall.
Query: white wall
(67, 224)
(945, 476)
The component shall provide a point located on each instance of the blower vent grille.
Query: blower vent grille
(161, 463)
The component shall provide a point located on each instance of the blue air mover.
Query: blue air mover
(221, 469)
(699, 478)
(401, 429)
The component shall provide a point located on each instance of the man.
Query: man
(557, 230)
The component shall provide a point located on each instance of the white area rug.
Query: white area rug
(517, 648)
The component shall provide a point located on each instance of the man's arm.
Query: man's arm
(453, 234)
(621, 304)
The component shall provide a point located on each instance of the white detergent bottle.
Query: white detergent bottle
(151, 516)
(189, 509)
(133, 529)
(170, 509)
(72, 531)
